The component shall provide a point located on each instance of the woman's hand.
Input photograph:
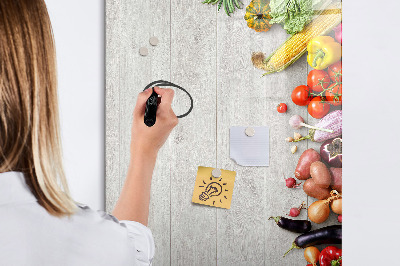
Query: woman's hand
(133, 203)
(148, 140)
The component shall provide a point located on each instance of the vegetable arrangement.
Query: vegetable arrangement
(324, 83)
(296, 45)
(307, 21)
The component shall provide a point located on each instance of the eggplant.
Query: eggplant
(297, 226)
(331, 152)
(326, 235)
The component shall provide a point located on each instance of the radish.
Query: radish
(339, 218)
(291, 183)
(294, 212)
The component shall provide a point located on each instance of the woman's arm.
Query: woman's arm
(133, 203)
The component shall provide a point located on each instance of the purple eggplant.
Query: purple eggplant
(331, 152)
(297, 226)
(326, 235)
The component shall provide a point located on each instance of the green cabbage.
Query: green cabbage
(294, 14)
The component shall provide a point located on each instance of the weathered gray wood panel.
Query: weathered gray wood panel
(193, 66)
(241, 102)
(128, 29)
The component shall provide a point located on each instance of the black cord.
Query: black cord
(170, 84)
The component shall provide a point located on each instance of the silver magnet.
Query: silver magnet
(250, 132)
(153, 41)
(143, 51)
(216, 173)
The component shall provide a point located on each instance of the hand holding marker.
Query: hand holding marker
(153, 101)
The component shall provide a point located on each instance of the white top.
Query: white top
(31, 236)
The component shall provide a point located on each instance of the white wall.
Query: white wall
(371, 131)
(79, 33)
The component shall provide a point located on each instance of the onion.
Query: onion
(318, 212)
(311, 254)
(336, 206)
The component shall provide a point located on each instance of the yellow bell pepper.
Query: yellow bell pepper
(323, 51)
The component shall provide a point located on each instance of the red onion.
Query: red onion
(331, 152)
(338, 33)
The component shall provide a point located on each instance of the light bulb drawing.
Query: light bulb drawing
(213, 189)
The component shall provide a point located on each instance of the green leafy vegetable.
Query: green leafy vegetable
(294, 14)
(229, 5)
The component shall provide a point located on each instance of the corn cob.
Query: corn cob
(295, 46)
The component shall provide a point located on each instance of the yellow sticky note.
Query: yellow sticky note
(211, 191)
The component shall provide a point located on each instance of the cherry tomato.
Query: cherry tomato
(318, 80)
(318, 108)
(335, 72)
(334, 94)
(301, 95)
(282, 108)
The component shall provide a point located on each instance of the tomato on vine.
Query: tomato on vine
(318, 107)
(301, 95)
(318, 80)
(334, 94)
(335, 72)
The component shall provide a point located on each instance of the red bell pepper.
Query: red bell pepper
(330, 256)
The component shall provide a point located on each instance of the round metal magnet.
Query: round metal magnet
(153, 41)
(143, 51)
(216, 173)
(250, 132)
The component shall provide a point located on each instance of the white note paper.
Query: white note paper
(250, 151)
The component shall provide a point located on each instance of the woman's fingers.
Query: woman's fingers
(167, 96)
(164, 109)
(141, 102)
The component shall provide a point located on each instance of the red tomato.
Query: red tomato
(282, 107)
(335, 72)
(334, 94)
(301, 95)
(318, 80)
(318, 108)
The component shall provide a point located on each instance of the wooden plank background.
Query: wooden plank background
(208, 53)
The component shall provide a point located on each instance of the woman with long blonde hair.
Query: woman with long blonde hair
(40, 222)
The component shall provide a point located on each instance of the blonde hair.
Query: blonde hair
(29, 121)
